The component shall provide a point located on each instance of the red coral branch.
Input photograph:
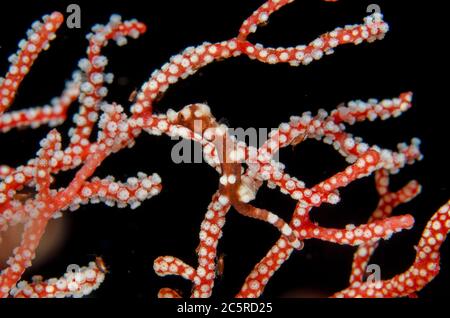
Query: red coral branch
(422, 271)
(242, 169)
(388, 201)
(21, 62)
(74, 283)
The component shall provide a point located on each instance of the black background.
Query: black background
(244, 93)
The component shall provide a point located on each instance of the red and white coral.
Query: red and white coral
(237, 186)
